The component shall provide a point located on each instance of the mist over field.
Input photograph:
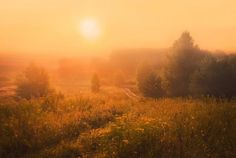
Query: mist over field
(117, 79)
(178, 101)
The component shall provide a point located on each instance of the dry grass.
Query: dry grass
(110, 125)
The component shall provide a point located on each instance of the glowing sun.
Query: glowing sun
(90, 29)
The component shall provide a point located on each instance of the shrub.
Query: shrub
(149, 84)
(33, 83)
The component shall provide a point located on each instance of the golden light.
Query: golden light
(90, 29)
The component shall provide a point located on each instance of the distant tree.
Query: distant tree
(215, 78)
(95, 83)
(182, 61)
(33, 83)
(149, 84)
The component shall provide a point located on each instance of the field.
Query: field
(117, 79)
(111, 124)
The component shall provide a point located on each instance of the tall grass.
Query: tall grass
(102, 126)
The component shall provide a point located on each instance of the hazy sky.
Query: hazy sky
(52, 26)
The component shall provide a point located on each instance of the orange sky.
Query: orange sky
(51, 26)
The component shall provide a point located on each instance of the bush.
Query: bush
(149, 83)
(33, 83)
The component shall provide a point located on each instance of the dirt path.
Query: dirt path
(130, 94)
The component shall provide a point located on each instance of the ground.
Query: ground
(116, 123)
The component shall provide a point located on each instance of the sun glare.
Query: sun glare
(90, 29)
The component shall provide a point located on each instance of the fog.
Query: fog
(53, 27)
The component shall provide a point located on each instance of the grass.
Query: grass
(112, 125)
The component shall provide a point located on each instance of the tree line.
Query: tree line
(34, 83)
(189, 71)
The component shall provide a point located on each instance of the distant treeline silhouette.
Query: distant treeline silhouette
(189, 71)
(182, 70)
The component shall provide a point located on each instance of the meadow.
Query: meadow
(178, 105)
(117, 79)
(109, 124)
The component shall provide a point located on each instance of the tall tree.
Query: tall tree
(182, 61)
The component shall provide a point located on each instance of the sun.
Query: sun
(90, 29)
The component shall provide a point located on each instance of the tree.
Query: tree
(215, 78)
(95, 83)
(149, 84)
(33, 83)
(182, 61)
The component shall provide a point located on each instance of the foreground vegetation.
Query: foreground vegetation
(108, 125)
(38, 122)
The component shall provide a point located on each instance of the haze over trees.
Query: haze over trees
(215, 77)
(33, 83)
(182, 61)
(182, 70)
(190, 71)
(118, 79)
(123, 120)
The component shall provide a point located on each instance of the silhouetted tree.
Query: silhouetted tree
(33, 83)
(95, 84)
(215, 78)
(149, 84)
(182, 61)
